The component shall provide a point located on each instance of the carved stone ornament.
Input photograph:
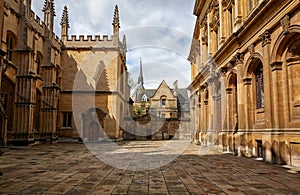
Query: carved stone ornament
(285, 23)
(265, 38)
(238, 58)
(251, 51)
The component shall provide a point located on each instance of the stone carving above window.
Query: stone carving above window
(285, 23)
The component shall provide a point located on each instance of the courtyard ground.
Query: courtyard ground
(71, 168)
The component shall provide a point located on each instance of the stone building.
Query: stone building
(37, 72)
(167, 109)
(245, 60)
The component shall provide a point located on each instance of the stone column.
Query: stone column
(238, 11)
(266, 41)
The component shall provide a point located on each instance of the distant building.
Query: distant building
(37, 76)
(162, 103)
(245, 61)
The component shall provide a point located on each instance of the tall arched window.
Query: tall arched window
(39, 60)
(10, 46)
(259, 83)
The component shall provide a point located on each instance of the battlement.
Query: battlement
(89, 38)
(36, 19)
(87, 41)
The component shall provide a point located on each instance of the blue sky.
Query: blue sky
(158, 31)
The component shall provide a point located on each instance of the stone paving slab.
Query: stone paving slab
(70, 168)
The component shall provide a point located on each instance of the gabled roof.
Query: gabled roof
(163, 83)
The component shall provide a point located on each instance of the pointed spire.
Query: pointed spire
(124, 43)
(49, 13)
(65, 17)
(116, 21)
(64, 25)
(141, 79)
(49, 6)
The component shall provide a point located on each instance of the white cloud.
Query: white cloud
(160, 31)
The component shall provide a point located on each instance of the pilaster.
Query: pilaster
(266, 41)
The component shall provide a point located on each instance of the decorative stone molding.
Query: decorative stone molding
(285, 24)
(238, 58)
(247, 81)
(223, 71)
(276, 66)
(203, 87)
(229, 91)
(265, 38)
(251, 50)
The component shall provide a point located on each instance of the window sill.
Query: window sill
(297, 103)
(66, 128)
(260, 110)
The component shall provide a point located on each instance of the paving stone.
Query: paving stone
(73, 169)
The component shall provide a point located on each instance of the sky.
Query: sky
(158, 31)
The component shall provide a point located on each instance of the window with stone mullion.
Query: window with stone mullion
(259, 81)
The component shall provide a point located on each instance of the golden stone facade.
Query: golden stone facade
(245, 60)
(42, 75)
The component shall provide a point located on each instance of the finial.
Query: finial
(65, 17)
(124, 43)
(49, 6)
(141, 79)
(116, 21)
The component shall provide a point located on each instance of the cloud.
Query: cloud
(160, 31)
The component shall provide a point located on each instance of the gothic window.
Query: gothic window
(67, 119)
(231, 18)
(37, 110)
(145, 98)
(10, 47)
(4, 94)
(259, 84)
(163, 102)
(38, 63)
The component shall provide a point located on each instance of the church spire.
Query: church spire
(64, 25)
(141, 79)
(49, 13)
(116, 21)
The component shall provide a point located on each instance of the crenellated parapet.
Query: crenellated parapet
(91, 41)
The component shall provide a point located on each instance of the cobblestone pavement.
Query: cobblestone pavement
(70, 168)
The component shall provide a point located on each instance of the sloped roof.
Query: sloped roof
(148, 92)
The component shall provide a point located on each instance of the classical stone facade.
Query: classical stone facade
(38, 71)
(245, 77)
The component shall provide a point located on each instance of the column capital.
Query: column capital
(265, 38)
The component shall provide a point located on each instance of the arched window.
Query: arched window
(259, 83)
(163, 101)
(10, 46)
(39, 60)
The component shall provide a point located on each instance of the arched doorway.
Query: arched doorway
(93, 121)
(94, 132)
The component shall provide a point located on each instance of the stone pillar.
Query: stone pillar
(266, 41)
(209, 34)
(276, 86)
(238, 14)
(241, 103)
(222, 23)
(211, 103)
(202, 124)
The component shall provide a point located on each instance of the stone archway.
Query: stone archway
(93, 132)
(93, 121)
